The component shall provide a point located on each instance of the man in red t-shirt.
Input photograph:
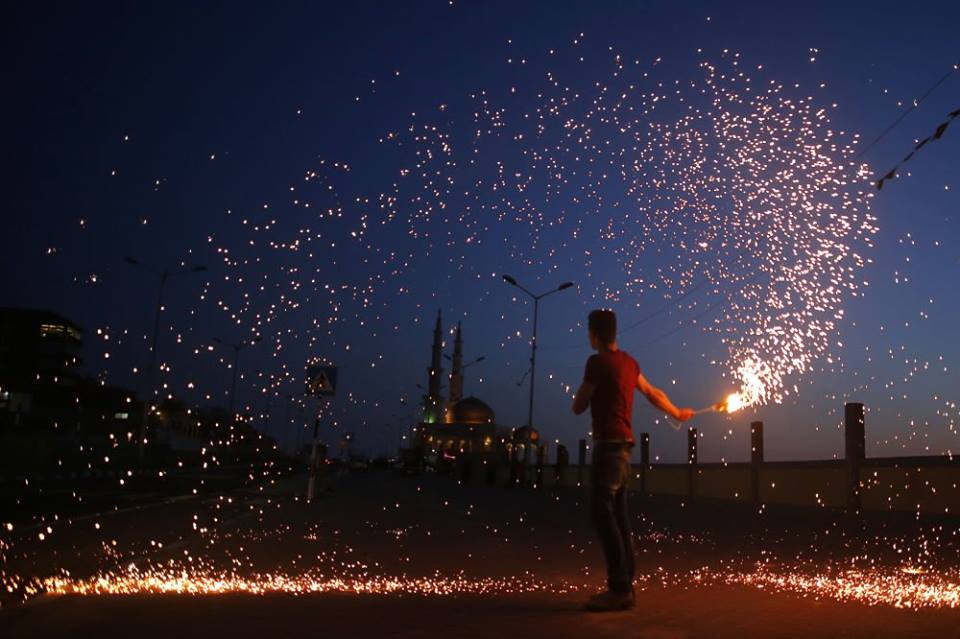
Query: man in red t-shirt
(608, 384)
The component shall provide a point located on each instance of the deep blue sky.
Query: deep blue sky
(270, 90)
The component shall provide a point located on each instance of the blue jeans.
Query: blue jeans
(609, 476)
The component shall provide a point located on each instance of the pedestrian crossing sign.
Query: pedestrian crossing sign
(321, 380)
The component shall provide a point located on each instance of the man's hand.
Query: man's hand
(581, 402)
(683, 414)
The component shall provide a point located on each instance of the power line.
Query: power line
(900, 118)
(673, 303)
(663, 308)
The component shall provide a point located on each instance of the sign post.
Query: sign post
(321, 382)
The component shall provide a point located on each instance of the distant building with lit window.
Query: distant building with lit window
(39, 364)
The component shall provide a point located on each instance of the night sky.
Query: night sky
(222, 133)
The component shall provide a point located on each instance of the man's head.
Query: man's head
(602, 327)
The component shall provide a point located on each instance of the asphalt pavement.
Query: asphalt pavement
(386, 554)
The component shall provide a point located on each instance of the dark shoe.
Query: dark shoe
(610, 601)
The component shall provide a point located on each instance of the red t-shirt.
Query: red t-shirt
(614, 378)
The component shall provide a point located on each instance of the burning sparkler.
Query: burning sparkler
(730, 404)
(752, 391)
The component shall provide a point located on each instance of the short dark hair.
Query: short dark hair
(603, 323)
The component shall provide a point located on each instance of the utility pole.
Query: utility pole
(322, 382)
(533, 342)
(164, 275)
(239, 346)
(314, 461)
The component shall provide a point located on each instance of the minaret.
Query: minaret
(456, 374)
(433, 401)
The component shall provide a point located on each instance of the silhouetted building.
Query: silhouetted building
(41, 385)
(39, 366)
(109, 410)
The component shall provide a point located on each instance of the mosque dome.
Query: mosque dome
(471, 410)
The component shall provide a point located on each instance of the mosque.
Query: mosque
(463, 425)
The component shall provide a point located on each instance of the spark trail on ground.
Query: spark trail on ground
(901, 588)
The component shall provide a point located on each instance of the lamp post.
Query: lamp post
(533, 342)
(403, 419)
(239, 346)
(164, 275)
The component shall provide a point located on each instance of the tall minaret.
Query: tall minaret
(456, 374)
(433, 401)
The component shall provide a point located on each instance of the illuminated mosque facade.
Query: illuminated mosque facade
(458, 425)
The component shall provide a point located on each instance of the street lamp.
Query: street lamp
(533, 342)
(164, 274)
(239, 346)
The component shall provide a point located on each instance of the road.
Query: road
(385, 554)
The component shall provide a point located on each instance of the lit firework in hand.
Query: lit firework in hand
(732, 403)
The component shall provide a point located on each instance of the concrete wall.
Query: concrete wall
(926, 485)
(719, 482)
(804, 485)
(912, 484)
(666, 480)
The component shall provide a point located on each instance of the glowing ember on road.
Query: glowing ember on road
(176, 581)
(875, 588)
(897, 588)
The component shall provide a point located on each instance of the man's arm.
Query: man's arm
(582, 400)
(659, 399)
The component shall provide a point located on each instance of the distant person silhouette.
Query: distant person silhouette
(609, 380)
